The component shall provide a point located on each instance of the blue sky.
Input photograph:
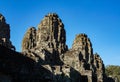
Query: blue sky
(99, 19)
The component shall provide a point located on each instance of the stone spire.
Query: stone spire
(82, 43)
(5, 33)
(51, 33)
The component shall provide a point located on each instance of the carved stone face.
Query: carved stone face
(44, 34)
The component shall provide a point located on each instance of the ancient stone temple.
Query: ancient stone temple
(45, 56)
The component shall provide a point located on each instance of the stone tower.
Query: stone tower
(51, 33)
(82, 43)
(82, 59)
(5, 33)
(29, 40)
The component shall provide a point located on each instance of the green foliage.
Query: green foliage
(112, 70)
